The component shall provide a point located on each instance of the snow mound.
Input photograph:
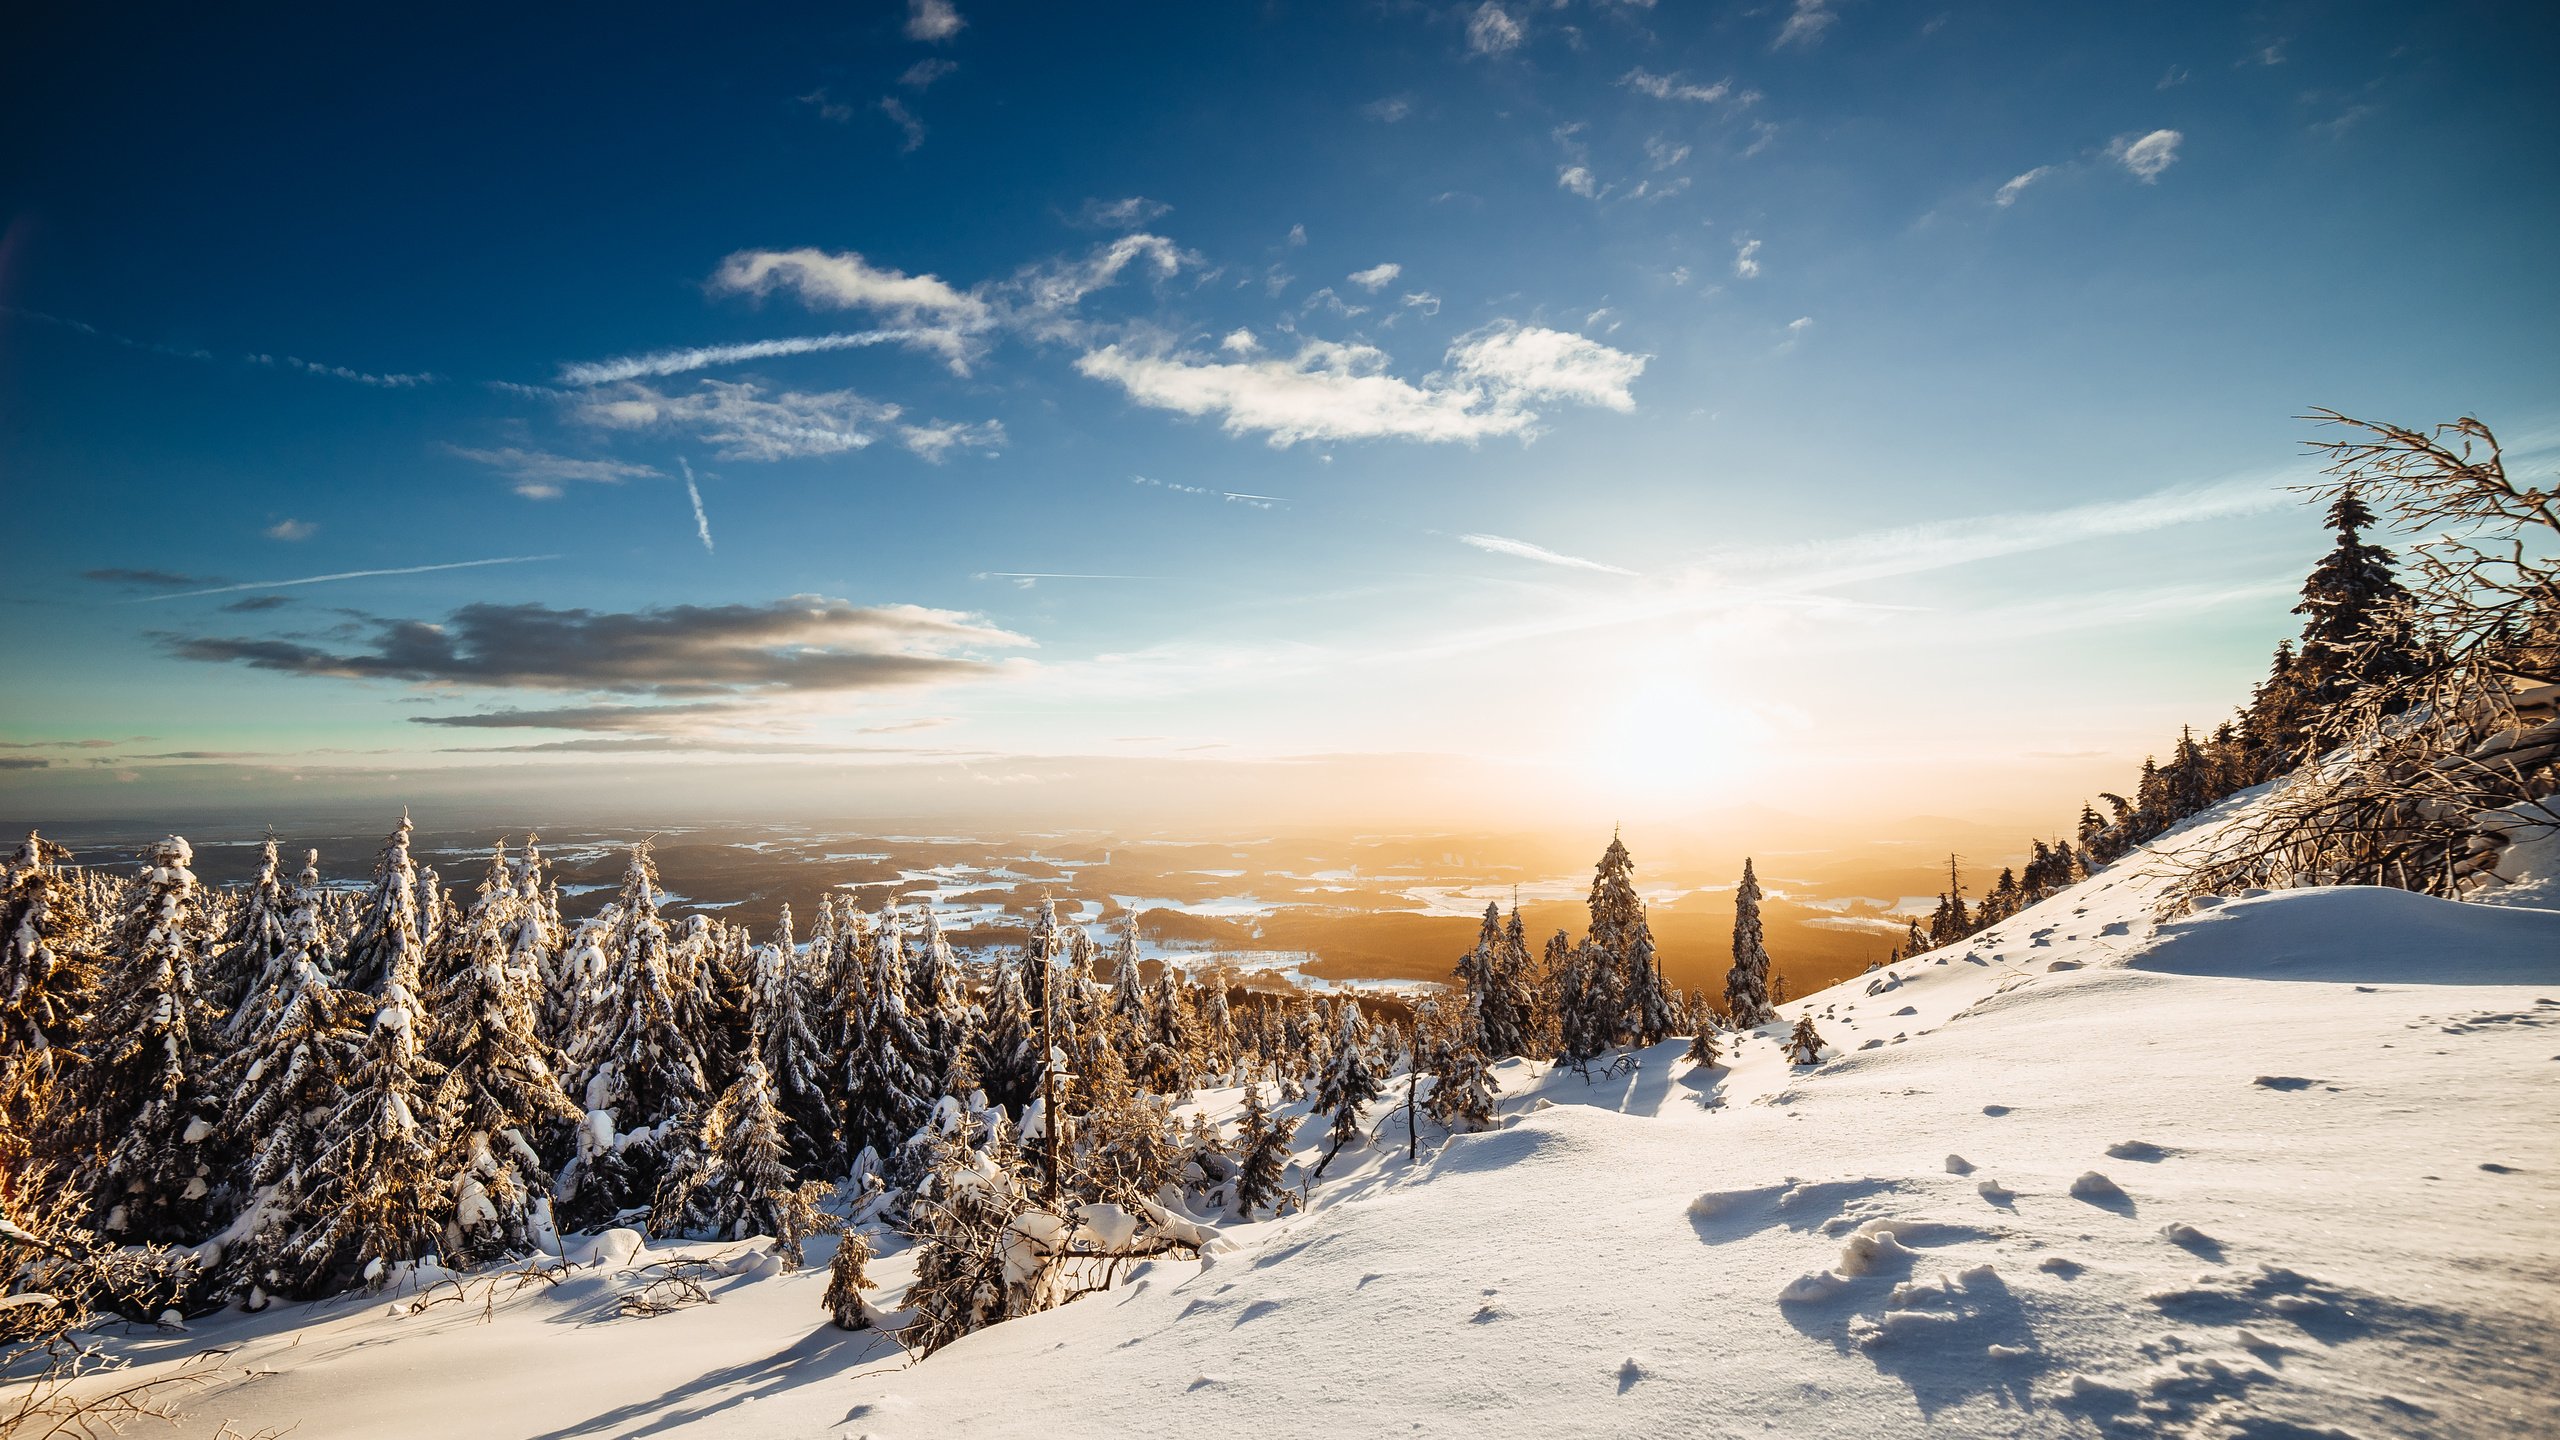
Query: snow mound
(2355, 935)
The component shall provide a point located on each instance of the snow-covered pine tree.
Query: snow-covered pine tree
(287, 1078)
(847, 1278)
(1006, 1045)
(1478, 968)
(938, 997)
(499, 1091)
(1463, 1094)
(253, 944)
(1618, 927)
(1804, 1046)
(735, 1178)
(890, 1087)
(1263, 1147)
(375, 1198)
(1651, 1010)
(1590, 1013)
(46, 976)
(1507, 1002)
(1349, 1083)
(639, 1068)
(1702, 1034)
(1746, 985)
(796, 1062)
(1215, 1034)
(390, 935)
(2354, 628)
(976, 1262)
(141, 1109)
(1166, 1068)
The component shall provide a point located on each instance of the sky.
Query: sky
(1394, 414)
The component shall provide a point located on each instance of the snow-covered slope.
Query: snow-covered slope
(2283, 1168)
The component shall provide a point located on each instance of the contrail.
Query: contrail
(701, 522)
(700, 357)
(344, 575)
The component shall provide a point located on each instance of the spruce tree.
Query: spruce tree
(733, 1178)
(1350, 1082)
(796, 1062)
(1007, 1045)
(890, 1087)
(375, 1198)
(1261, 1176)
(253, 944)
(143, 1106)
(2354, 627)
(1746, 985)
(639, 1067)
(46, 976)
(1804, 1046)
(1619, 929)
(1462, 1089)
(499, 1091)
(390, 935)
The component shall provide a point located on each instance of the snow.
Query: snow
(2281, 1167)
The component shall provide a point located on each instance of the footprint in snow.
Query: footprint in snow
(2284, 1082)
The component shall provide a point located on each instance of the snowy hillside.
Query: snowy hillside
(2282, 1168)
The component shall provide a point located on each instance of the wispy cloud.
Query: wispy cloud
(1806, 22)
(2146, 155)
(923, 73)
(933, 20)
(939, 440)
(1523, 550)
(1746, 259)
(289, 528)
(940, 316)
(1335, 391)
(804, 643)
(1127, 213)
(742, 420)
(2008, 193)
(145, 579)
(910, 129)
(1673, 87)
(1389, 110)
(1492, 30)
(693, 492)
(406, 381)
(347, 575)
(1376, 277)
(704, 357)
(539, 474)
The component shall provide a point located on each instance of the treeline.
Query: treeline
(288, 1088)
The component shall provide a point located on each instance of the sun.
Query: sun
(1671, 744)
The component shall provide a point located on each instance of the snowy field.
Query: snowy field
(2282, 1168)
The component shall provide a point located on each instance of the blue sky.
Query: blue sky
(1478, 412)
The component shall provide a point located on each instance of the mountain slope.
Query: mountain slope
(2283, 1168)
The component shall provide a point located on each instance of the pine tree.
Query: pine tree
(1804, 1046)
(1651, 1008)
(499, 1089)
(892, 1090)
(639, 1069)
(2354, 627)
(1746, 984)
(733, 1176)
(846, 1280)
(290, 1074)
(1350, 1082)
(1007, 1045)
(1462, 1089)
(375, 1198)
(391, 935)
(142, 1106)
(1261, 1177)
(795, 1062)
(1619, 985)
(253, 944)
(46, 976)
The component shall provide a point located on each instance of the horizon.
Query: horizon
(929, 419)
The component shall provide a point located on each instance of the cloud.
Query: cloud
(539, 474)
(741, 420)
(257, 604)
(1336, 391)
(1492, 31)
(2008, 193)
(1523, 550)
(1578, 179)
(933, 20)
(1532, 363)
(936, 441)
(1239, 341)
(701, 521)
(910, 128)
(2146, 155)
(148, 579)
(1377, 277)
(1746, 259)
(1125, 214)
(1805, 23)
(341, 372)
(1424, 301)
(23, 762)
(923, 73)
(806, 643)
(348, 575)
(1040, 299)
(703, 357)
(1389, 110)
(1663, 154)
(942, 316)
(583, 717)
(1672, 87)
